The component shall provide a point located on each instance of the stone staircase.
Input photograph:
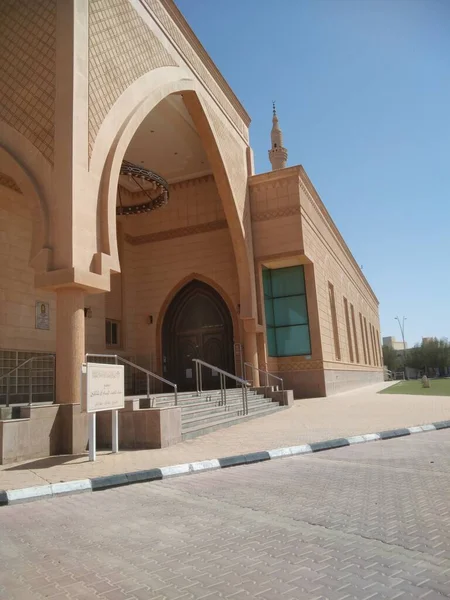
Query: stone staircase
(206, 413)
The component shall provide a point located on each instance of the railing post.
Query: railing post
(30, 384)
(224, 391)
(7, 390)
(200, 377)
(196, 376)
(176, 394)
(148, 390)
(54, 379)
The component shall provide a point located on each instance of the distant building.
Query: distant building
(391, 342)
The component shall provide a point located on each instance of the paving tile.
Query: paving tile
(369, 521)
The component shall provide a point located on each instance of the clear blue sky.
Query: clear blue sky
(363, 97)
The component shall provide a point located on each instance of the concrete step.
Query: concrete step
(222, 412)
(202, 428)
(200, 403)
(182, 396)
(192, 400)
(189, 413)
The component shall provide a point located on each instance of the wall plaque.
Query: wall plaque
(42, 315)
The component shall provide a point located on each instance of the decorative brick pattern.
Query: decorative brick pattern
(332, 265)
(215, 84)
(233, 154)
(268, 215)
(121, 50)
(27, 70)
(188, 235)
(319, 208)
(18, 294)
(294, 363)
(9, 182)
(171, 234)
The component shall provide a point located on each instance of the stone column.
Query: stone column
(251, 354)
(262, 350)
(69, 344)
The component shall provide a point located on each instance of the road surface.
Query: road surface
(367, 521)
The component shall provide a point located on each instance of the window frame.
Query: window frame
(334, 322)
(349, 332)
(355, 335)
(270, 318)
(111, 344)
(363, 338)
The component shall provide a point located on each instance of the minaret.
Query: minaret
(277, 154)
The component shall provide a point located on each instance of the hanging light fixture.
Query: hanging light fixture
(157, 196)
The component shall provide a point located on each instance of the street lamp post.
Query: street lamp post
(401, 324)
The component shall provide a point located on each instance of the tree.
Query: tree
(390, 358)
(429, 355)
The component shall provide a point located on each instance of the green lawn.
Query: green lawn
(438, 387)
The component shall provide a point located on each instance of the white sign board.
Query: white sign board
(104, 387)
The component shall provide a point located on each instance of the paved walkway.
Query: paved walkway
(365, 522)
(352, 413)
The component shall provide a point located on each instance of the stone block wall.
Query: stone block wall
(333, 264)
(161, 249)
(18, 296)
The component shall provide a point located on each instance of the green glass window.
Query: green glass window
(286, 312)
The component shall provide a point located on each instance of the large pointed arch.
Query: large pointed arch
(112, 142)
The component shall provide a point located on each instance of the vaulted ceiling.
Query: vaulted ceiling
(167, 143)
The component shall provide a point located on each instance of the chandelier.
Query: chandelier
(153, 186)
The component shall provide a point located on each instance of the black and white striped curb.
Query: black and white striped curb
(96, 484)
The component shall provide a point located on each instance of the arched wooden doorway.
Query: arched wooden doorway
(197, 324)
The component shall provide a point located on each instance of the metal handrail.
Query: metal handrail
(223, 389)
(148, 373)
(238, 346)
(267, 374)
(30, 376)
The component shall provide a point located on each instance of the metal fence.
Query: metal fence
(41, 372)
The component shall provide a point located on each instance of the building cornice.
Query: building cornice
(320, 207)
(305, 183)
(180, 21)
(272, 176)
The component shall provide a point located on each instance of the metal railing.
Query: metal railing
(148, 373)
(238, 352)
(223, 388)
(267, 374)
(29, 362)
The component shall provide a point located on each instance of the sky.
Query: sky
(362, 89)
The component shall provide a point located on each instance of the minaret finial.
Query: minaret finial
(274, 108)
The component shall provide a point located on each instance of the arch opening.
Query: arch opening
(197, 324)
(194, 232)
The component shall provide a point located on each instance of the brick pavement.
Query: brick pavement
(352, 413)
(365, 522)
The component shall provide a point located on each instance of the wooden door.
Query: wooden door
(197, 325)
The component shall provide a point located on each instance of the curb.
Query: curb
(96, 484)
